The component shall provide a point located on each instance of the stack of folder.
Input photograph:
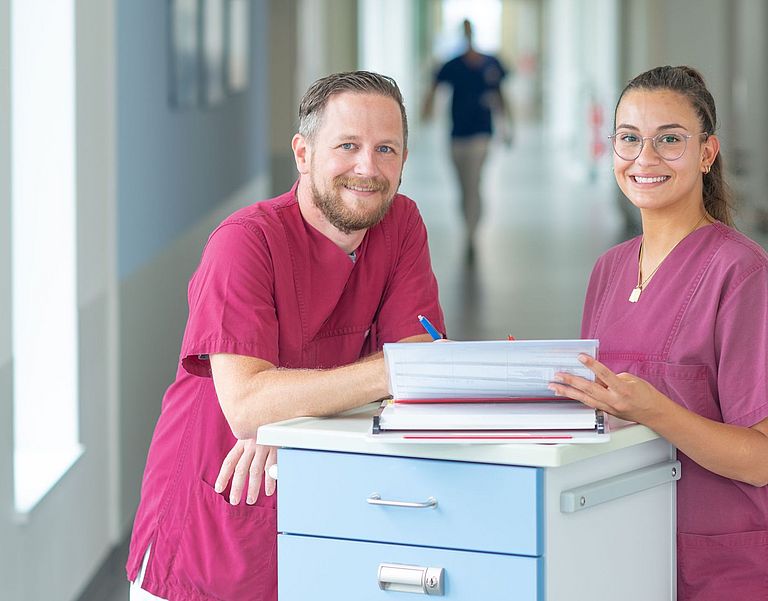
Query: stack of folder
(485, 391)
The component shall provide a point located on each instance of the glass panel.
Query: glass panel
(44, 280)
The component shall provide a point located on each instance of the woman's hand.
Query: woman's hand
(247, 460)
(623, 395)
(735, 452)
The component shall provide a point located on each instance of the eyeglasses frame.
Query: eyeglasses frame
(687, 137)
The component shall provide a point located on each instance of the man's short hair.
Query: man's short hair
(312, 105)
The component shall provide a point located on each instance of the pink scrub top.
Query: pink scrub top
(699, 334)
(269, 286)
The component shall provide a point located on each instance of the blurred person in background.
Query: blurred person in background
(477, 97)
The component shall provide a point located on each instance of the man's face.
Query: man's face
(356, 159)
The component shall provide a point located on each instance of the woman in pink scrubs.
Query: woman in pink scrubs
(682, 317)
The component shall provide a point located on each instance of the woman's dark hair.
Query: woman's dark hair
(688, 82)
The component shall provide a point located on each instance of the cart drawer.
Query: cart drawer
(447, 504)
(326, 569)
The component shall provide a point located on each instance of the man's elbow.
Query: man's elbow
(241, 431)
(242, 420)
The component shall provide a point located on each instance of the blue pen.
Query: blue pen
(430, 328)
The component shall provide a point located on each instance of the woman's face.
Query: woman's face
(650, 181)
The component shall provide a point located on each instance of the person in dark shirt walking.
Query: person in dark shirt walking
(477, 96)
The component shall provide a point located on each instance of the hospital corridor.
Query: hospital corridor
(132, 128)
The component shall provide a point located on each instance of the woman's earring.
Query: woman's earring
(706, 169)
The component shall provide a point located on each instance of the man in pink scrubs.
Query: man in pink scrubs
(288, 311)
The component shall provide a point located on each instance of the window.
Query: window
(486, 19)
(43, 231)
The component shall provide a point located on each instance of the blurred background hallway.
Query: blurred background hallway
(152, 120)
(538, 238)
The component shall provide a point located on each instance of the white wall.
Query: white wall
(581, 68)
(178, 173)
(96, 227)
(326, 41)
(8, 555)
(684, 32)
(283, 92)
(387, 45)
(749, 151)
(5, 214)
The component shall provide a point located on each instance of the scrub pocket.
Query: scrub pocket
(723, 566)
(226, 551)
(687, 385)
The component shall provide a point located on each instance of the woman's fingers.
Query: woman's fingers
(566, 389)
(602, 373)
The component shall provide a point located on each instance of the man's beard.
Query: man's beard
(342, 217)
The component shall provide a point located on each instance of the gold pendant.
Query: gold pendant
(635, 294)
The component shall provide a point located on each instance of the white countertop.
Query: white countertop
(350, 433)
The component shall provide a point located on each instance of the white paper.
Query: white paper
(482, 369)
(551, 415)
(491, 437)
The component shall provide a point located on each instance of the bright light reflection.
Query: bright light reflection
(43, 229)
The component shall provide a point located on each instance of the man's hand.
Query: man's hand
(247, 460)
(252, 392)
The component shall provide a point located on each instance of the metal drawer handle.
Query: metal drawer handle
(411, 579)
(375, 499)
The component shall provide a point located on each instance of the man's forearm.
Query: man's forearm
(319, 393)
(251, 397)
(253, 392)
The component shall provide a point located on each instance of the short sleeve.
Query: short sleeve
(231, 300)
(445, 74)
(412, 289)
(502, 72)
(596, 295)
(590, 302)
(741, 338)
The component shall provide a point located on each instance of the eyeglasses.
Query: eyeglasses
(668, 145)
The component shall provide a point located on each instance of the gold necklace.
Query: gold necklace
(634, 296)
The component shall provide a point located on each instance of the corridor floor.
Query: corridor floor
(543, 226)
